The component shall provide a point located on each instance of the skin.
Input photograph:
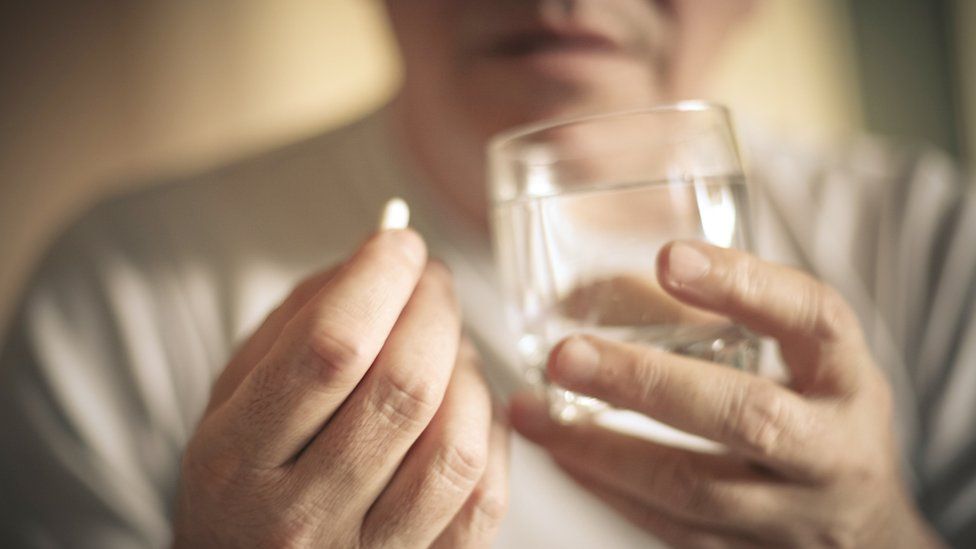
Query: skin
(467, 78)
(809, 464)
(355, 416)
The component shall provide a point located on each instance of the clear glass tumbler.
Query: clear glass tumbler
(580, 209)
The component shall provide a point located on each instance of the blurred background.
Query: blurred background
(104, 95)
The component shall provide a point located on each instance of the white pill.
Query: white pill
(396, 215)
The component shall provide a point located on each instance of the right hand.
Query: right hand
(343, 421)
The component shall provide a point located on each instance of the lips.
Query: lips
(545, 41)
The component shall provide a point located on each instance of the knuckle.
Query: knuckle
(831, 317)
(332, 352)
(298, 516)
(489, 506)
(460, 463)
(218, 477)
(746, 279)
(750, 279)
(644, 373)
(758, 419)
(205, 467)
(406, 402)
(293, 528)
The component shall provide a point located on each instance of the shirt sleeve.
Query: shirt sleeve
(893, 228)
(912, 242)
(939, 324)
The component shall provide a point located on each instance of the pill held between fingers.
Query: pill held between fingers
(396, 215)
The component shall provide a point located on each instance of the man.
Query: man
(353, 416)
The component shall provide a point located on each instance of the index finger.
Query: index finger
(322, 352)
(812, 323)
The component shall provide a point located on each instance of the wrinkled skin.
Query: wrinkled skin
(353, 417)
(808, 465)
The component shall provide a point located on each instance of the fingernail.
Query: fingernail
(529, 415)
(576, 362)
(686, 265)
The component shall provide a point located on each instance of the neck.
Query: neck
(449, 159)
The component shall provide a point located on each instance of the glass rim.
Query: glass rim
(511, 135)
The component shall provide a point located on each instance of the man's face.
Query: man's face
(505, 62)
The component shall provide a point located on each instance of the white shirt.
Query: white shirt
(136, 309)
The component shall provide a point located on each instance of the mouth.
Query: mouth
(527, 44)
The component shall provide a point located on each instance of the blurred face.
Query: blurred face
(492, 64)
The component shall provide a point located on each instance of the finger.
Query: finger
(321, 353)
(476, 524)
(440, 472)
(750, 415)
(260, 342)
(704, 489)
(808, 318)
(364, 442)
(669, 529)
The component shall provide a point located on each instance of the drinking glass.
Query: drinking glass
(580, 209)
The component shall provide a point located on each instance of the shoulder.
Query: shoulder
(275, 205)
(259, 189)
(867, 165)
(221, 207)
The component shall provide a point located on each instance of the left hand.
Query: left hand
(813, 464)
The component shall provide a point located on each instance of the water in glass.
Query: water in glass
(583, 261)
